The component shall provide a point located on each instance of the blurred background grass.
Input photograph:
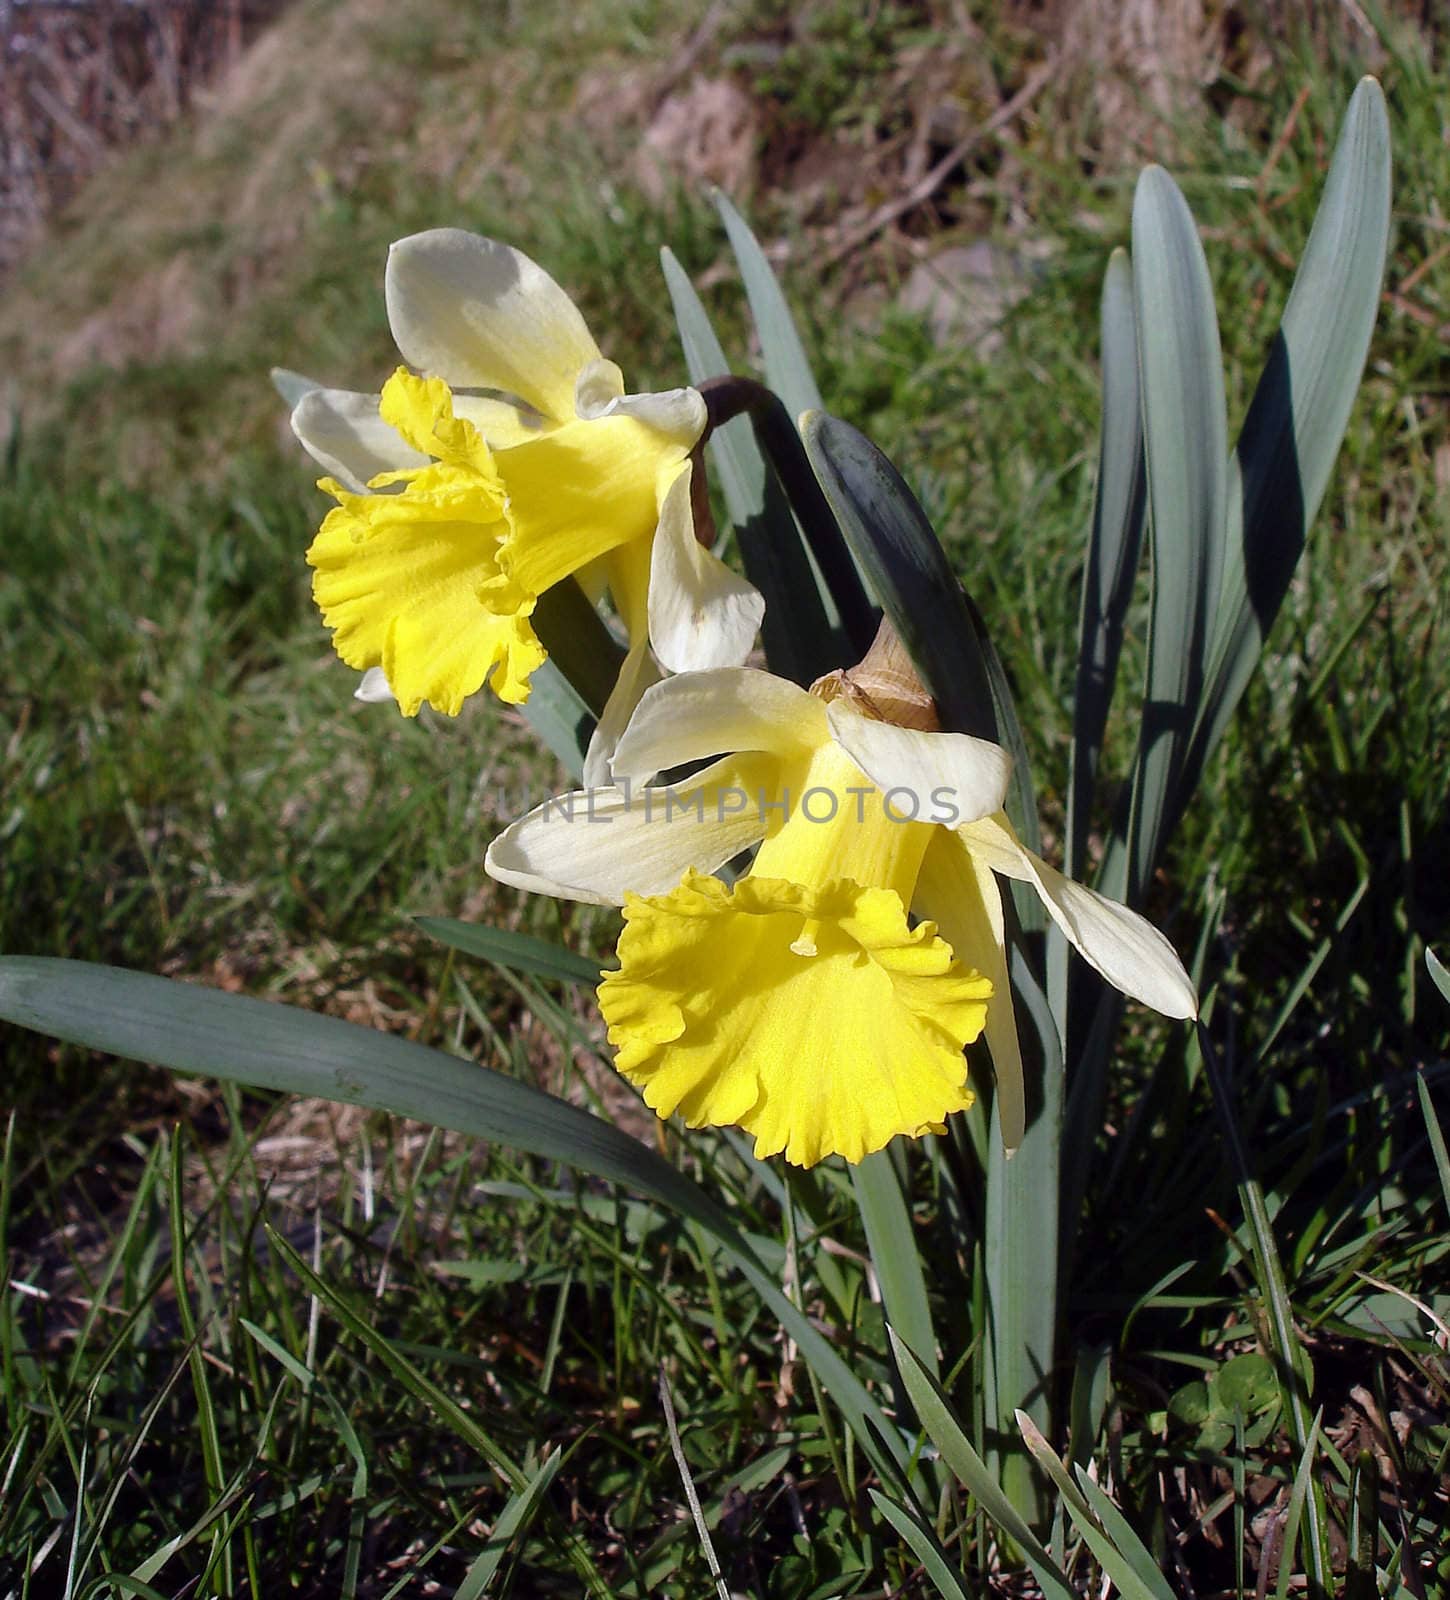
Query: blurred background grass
(186, 786)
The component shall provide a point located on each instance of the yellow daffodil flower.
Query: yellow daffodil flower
(801, 1004)
(458, 508)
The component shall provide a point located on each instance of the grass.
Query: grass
(185, 786)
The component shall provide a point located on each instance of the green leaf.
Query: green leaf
(1436, 1136)
(945, 1432)
(516, 1515)
(1023, 1246)
(1247, 1383)
(1185, 445)
(904, 564)
(1269, 1274)
(925, 1546)
(1125, 1566)
(1439, 975)
(895, 1253)
(1299, 1497)
(1301, 407)
(519, 952)
(568, 692)
(1114, 548)
(193, 1029)
(787, 370)
(797, 631)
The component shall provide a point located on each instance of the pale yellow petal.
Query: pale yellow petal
(599, 845)
(701, 614)
(482, 315)
(701, 714)
(1124, 947)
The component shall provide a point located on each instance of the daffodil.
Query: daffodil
(802, 1004)
(516, 461)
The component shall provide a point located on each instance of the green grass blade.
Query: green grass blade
(1301, 406)
(206, 1425)
(1124, 1539)
(925, 1546)
(1299, 1497)
(905, 565)
(1269, 1272)
(519, 952)
(1114, 549)
(1185, 443)
(1439, 973)
(945, 1432)
(193, 1029)
(787, 369)
(1122, 1566)
(797, 632)
(522, 1506)
(1436, 1137)
(895, 1253)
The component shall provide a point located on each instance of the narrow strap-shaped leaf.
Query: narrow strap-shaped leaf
(579, 644)
(1022, 1248)
(1439, 973)
(1115, 544)
(517, 1514)
(945, 1432)
(906, 567)
(1115, 1562)
(557, 712)
(797, 630)
(925, 1546)
(1185, 440)
(1301, 407)
(519, 952)
(895, 1253)
(787, 370)
(1125, 1540)
(193, 1029)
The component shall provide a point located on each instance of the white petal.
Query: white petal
(702, 714)
(959, 894)
(637, 672)
(373, 687)
(597, 845)
(344, 434)
(483, 316)
(701, 614)
(1124, 947)
(954, 777)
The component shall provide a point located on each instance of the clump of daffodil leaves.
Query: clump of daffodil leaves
(823, 997)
